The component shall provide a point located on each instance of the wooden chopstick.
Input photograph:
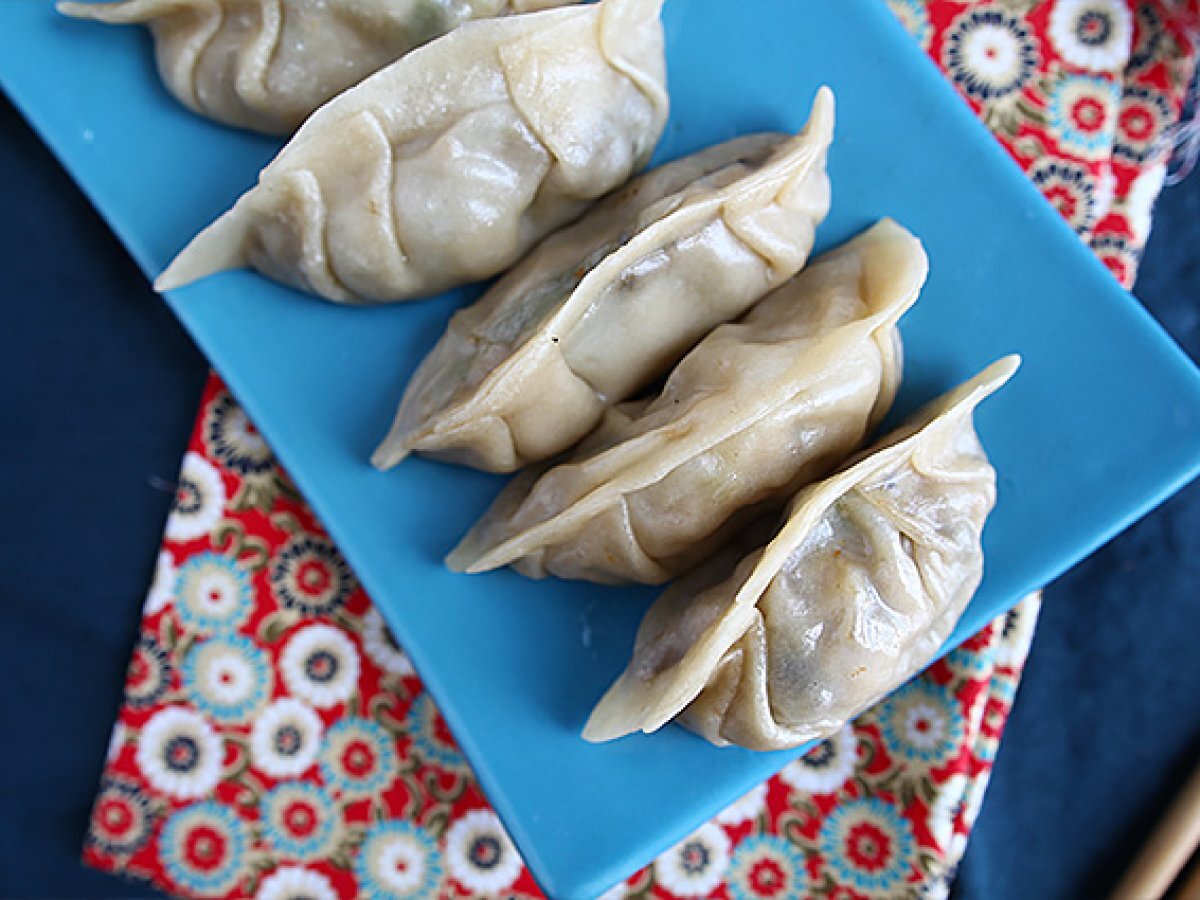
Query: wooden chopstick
(1168, 849)
(1189, 885)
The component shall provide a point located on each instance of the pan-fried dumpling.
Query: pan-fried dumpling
(446, 166)
(600, 310)
(856, 593)
(268, 64)
(758, 409)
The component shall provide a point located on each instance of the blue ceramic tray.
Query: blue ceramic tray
(1101, 424)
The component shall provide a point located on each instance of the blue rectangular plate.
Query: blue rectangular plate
(1100, 425)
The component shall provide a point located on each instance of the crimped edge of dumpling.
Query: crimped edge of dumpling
(793, 159)
(884, 247)
(409, 433)
(634, 704)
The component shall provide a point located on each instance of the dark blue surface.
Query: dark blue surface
(1083, 447)
(1106, 726)
(105, 385)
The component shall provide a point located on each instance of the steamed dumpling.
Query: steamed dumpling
(602, 309)
(758, 409)
(446, 166)
(268, 64)
(855, 594)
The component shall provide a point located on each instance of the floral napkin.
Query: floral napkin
(275, 742)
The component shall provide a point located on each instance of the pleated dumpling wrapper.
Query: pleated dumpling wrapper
(601, 309)
(449, 164)
(268, 64)
(854, 595)
(758, 409)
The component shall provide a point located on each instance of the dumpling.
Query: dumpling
(855, 594)
(602, 309)
(446, 166)
(758, 409)
(268, 64)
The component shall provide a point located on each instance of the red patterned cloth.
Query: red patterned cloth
(275, 742)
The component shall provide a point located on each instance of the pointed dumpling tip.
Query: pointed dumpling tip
(611, 717)
(98, 11)
(390, 454)
(1005, 367)
(217, 248)
(994, 377)
(120, 12)
(461, 559)
(823, 115)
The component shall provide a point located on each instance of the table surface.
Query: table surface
(103, 386)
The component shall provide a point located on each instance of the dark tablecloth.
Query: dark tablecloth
(101, 385)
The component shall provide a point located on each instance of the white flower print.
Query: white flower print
(1096, 35)
(199, 500)
(1139, 204)
(162, 588)
(286, 738)
(617, 892)
(745, 808)
(1106, 192)
(480, 855)
(320, 665)
(116, 741)
(295, 883)
(1013, 646)
(825, 768)
(381, 646)
(947, 803)
(179, 753)
(695, 866)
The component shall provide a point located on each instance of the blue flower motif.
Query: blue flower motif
(1004, 688)
(212, 594)
(766, 865)
(1082, 112)
(915, 16)
(970, 662)
(358, 757)
(398, 860)
(300, 819)
(227, 677)
(422, 725)
(868, 844)
(921, 722)
(203, 848)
